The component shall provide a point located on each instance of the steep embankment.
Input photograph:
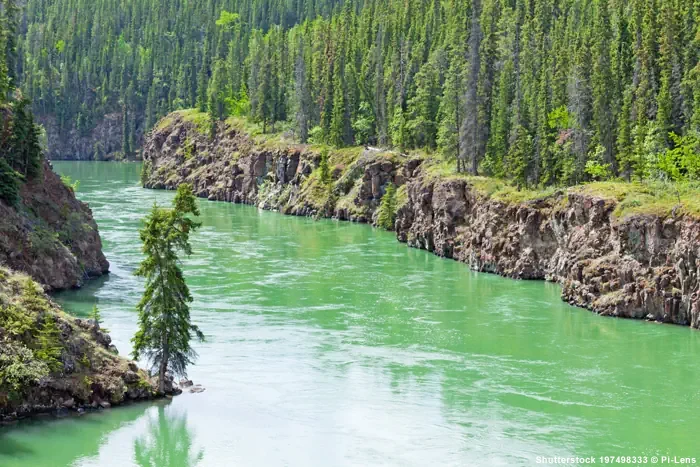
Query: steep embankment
(50, 361)
(639, 265)
(103, 141)
(51, 235)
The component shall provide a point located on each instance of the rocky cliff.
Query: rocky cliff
(644, 266)
(102, 142)
(641, 266)
(51, 235)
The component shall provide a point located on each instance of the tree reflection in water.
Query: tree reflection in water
(168, 442)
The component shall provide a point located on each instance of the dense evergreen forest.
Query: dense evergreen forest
(539, 91)
(20, 151)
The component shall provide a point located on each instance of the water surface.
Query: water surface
(330, 343)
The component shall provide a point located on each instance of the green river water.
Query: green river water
(330, 343)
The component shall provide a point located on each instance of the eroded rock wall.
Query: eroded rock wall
(644, 266)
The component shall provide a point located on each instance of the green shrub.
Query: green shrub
(42, 240)
(67, 181)
(73, 228)
(145, 172)
(18, 369)
(15, 321)
(189, 149)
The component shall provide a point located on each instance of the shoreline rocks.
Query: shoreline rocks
(78, 374)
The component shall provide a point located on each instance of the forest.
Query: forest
(20, 148)
(542, 92)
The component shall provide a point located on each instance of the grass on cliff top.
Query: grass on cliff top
(194, 116)
(660, 198)
(494, 188)
(278, 137)
(648, 197)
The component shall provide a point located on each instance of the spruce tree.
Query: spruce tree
(96, 316)
(386, 214)
(165, 328)
(218, 93)
(48, 349)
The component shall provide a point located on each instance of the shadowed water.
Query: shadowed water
(330, 343)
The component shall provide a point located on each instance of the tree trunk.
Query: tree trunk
(163, 370)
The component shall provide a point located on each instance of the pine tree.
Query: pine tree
(24, 153)
(303, 95)
(336, 132)
(451, 114)
(9, 183)
(386, 214)
(500, 122)
(470, 135)
(165, 328)
(203, 83)
(324, 170)
(218, 93)
(5, 80)
(519, 159)
(48, 349)
(151, 112)
(603, 98)
(9, 17)
(96, 316)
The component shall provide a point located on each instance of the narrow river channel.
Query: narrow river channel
(330, 343)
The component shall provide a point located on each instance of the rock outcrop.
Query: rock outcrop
(51, 235)
(51, 362)
(644, 266)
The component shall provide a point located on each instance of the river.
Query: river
(330, 343)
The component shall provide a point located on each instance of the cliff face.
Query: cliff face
(641, 266)
(51, 235)
(50, 361)
(102, 142)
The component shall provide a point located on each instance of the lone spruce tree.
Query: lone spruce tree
(165, 329)
(386, 217)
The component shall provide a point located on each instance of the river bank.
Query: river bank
(610, 255)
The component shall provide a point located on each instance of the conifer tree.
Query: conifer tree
(165, 328)
(49, 349)
(96, 316)
(324, 169)
(386, 214)
(218, 93)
